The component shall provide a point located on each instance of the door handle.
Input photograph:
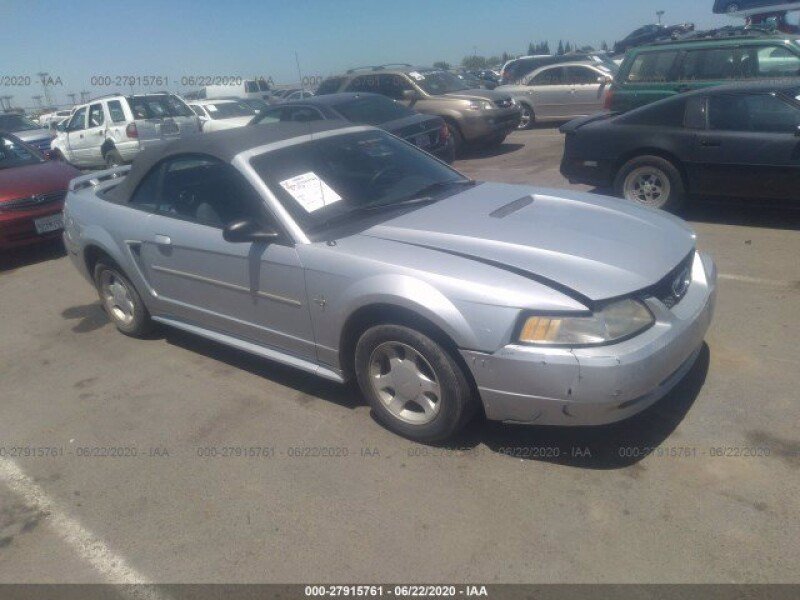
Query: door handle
(162, 240)
(707, 143)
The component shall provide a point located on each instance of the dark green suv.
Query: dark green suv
(660, 70)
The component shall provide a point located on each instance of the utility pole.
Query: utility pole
(43, 78)
(72, 96)
(299, 73)
(84, 96)
(659, 13)
(38, 100)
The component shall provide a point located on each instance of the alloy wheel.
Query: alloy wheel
(117, 298)
(647, 185)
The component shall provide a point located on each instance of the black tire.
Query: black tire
(114, 159)
(662, 170)
(457, 137)
(456, 401)
(528, 117)
(140, 323)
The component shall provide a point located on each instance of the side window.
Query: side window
(78, 121)
(273, 115)
(197, 110)
(329, 86)
(116, 112)
(392, 86)
(709, 65)
(364, 83)
(303, 114)
(206, 191)
(146, 194)
(653, 67)
(582, 76)
(763, 113)
(96, 116)
(770, 61)
(554, 76)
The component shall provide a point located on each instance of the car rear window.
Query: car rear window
(329, 86)
(158, 107)
(653, 67)
(668, 113)
(372, 110)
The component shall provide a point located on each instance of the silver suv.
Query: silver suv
(561, 92)
(479, 117)
(111, 130)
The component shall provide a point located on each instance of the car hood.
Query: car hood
(32, 134)
(42, 178)
(592, 247)
(492, 95)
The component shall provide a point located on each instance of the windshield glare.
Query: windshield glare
(16, 123)
(14, 154)
(372, 110)
(229, 110)
(438, 82)
(329, 178)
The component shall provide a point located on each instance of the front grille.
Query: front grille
(35, 201)
(504, 102)
(672, 288)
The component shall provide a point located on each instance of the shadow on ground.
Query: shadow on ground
(471, 152)
(24, 256)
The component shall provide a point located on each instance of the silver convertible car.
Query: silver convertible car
(350, 254)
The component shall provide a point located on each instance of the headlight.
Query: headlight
(614, 322)
(480, 105)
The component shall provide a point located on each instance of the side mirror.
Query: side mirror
(410, 95)
(246, 230)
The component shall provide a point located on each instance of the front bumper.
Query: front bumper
(595, 386)
(598, 173)
(17, 228)
(491, 124)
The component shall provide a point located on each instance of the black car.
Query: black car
(425, 131)
(488, 79)
(651, 33)
(734, 6)
(738, 140)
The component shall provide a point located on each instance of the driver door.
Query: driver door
(75, 133)
(253, 291)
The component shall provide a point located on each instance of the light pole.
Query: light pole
(659, 13)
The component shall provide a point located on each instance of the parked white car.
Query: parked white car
(216, 115)
(47, 118)
(112, 130)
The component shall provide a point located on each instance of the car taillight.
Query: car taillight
(608, 99)
(131, 130)
(444, 133)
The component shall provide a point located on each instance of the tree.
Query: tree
(440, 64)
(474, 63)
(531, 48)
(505, 57)
(604, 46)
(560, 50)
(567, 48)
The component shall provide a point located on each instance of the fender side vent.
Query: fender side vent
(511, 207)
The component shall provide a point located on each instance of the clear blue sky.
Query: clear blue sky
(77, 39)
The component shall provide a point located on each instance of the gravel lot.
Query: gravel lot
(503, 504)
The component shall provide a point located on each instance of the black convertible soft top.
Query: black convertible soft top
(223, 145)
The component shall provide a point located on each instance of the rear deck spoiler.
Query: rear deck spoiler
(93, 179)
(576, 124)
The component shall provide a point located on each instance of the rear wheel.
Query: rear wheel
(414, 385)
(527, 120)
(651, 181)
(114, 159)
(121, 301)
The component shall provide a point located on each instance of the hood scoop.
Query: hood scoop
(511, 207)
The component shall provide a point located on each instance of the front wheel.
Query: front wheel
(651, 181)
(414, 385)
(527, 119)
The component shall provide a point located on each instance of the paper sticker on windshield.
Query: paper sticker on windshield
(211, 108)
(416, 76)
(310, 191)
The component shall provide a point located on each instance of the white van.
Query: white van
(242, 88)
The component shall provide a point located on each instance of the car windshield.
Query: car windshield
(14, 154)
(158, 106)
(372, 110)
(229, 110)
(437, 83)
(16, 123)
(348, 176)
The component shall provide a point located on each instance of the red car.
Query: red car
(32, 190)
